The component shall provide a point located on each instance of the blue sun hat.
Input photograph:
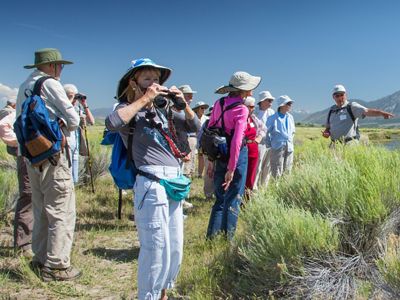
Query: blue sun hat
(135, 66)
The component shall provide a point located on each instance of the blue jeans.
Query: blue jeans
(225, 212)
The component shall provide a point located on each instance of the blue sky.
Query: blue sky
(300, 48)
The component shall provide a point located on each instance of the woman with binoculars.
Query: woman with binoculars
(145, 123)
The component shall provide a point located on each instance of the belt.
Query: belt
(192, 135)
(345, 140)
(250, 141)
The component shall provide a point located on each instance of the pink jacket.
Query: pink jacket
(235, 120)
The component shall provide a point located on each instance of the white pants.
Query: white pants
(189, 167)
(159, 223)
(281, 161)
(264, 167)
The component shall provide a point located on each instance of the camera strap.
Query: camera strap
(172, 144)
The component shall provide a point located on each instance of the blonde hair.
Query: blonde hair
(133, 90)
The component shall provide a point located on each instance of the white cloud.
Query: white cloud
(6, 93)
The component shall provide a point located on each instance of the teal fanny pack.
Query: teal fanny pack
(176, 188)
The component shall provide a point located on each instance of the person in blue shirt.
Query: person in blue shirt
(280, 132)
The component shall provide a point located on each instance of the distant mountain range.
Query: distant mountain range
(389, 103)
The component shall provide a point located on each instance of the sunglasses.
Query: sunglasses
(289, 104)
(251, 106)
(337, 95)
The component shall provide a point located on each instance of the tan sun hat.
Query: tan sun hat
(240, 81)
(186, 89)
(46, 56)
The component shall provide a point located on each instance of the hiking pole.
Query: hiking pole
(119, 203)
(89, 161)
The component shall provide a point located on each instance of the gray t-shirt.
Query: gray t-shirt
(149, 147)
(340, 123)
(185, 127)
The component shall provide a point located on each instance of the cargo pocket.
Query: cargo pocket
(151, 235)
(62, 180)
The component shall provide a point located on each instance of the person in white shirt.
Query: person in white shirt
(199, 109)
(264, 148)
(53, 194)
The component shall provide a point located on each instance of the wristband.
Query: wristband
(85, 107)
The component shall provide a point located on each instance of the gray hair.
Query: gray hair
(69, 87)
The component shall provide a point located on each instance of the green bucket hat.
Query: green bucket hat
(47, 55)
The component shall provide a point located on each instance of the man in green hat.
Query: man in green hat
(53, 195)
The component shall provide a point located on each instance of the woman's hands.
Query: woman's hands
(228, 179)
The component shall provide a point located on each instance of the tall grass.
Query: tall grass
(318, 231)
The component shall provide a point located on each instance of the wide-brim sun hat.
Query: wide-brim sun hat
(338, 89)
(47, 56)
(264, 95)
(240, 81)
(137, 65)
(186, 89)
(200, 104)
(283, 100)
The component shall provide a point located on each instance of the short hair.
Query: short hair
(69, 87)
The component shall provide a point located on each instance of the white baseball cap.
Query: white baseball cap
(240, 81)
(264, 95)
(283, 100)
(338, 89)
(186, 89)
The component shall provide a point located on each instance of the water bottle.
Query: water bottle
(220, 142)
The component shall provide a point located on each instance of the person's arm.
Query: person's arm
(89, 116)
(370, 112)
(128, 112)
(7, 133)
(261, 129)
(55, 93)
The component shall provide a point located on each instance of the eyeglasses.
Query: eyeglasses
(337, 95)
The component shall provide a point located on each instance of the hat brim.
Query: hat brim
(123, 83)
(286, 102)
(252, 84)
(267, 98)
(65, 62)
(205, 106)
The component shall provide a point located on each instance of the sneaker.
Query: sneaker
(50, 274)
(187, 205)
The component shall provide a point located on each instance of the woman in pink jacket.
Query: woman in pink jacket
(230, 173)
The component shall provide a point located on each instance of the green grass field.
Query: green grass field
(305, 215)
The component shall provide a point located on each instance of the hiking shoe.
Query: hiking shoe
(35, 266)
(27, 253)
(50, 274)
(187, 205)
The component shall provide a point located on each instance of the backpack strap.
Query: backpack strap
(132, 126)
(223, 110)
(38, 85)
(350, 112)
